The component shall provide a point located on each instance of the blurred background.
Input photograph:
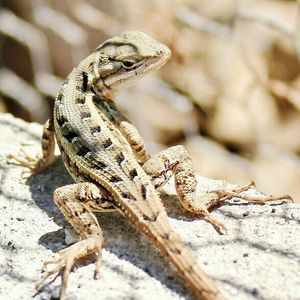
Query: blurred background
(230, 93)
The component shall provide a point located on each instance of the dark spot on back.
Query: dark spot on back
(115, 179)
(69, 134)
(96, 129)
(120, 158)
(85, 115)
(61, 120)
(99, 165)
(84, 81)
(60, 98)
(107, 143)
(127, 196)
(80, 99)
(83, 150)
(144, 191)
(124, 195)
(133, 173)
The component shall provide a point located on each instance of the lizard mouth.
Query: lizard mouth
(156, 63)
(164, 56)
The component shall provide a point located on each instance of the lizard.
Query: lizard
(112, 169)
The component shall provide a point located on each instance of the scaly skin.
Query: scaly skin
(107, 157)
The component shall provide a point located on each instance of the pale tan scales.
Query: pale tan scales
(107, 157)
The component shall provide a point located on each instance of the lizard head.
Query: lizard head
(125, 58)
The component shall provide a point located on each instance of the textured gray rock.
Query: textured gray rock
(259, 258)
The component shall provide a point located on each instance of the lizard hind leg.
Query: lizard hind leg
(176, 160)
(36, 164)
(73, 201)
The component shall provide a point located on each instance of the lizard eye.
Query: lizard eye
(129, 63)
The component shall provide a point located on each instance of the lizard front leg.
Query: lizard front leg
(135, 140)
(39, 163)
(176, 161)
(129, 131)
(76, 202)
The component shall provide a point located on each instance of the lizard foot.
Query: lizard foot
(31, 163)
(68, 258)
(216, 197)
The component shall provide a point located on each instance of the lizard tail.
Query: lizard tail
(182, 259)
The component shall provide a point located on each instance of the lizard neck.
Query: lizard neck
(92, 71)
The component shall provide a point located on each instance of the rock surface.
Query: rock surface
(259, 258)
